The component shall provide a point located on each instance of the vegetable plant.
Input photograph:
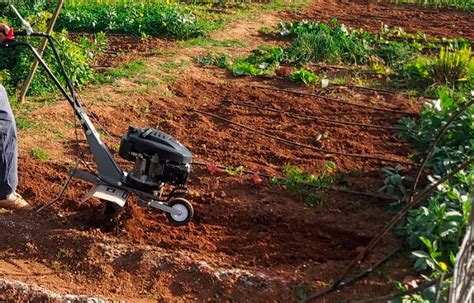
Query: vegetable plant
(302, 75)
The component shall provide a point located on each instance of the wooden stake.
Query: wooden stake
(41, 49)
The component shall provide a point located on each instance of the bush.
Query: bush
(330, 43)
(435, 230)
(76, 56)
(131, 17)
(450, 67)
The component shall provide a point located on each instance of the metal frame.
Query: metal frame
(110, 184)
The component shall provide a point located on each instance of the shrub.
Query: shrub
(452, 66)
(330, 43)
(434, 231)
(131, 17)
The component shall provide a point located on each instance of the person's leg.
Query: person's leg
(8, 156)
(8, 147)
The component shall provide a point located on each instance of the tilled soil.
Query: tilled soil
(246, 242)
(244, 239)
(369, 14)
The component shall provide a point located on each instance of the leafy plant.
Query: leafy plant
(242, 68)
(435, 230)
(393, 183)
(302, 75)
(153, 18)
(452, 67)
(301, 182)
(237, 171)
(77, 57)
(39, 154)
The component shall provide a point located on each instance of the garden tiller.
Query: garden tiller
(159, 159)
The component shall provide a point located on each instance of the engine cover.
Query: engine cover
(148, 141)
(159, 158)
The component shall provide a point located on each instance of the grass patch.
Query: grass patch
(39, 154)
(209, 43)
(305, 183)
(127, 70)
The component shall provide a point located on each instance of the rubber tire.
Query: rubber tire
(109, 208)
(189, 208)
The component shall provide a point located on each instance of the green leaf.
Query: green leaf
(426, 242)
(420, 254)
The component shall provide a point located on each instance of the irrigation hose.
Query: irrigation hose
(293, 143)
(375, 108)
(299, 115)
(420, 197)
(438, 137)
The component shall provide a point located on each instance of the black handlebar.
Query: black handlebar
(71, 96)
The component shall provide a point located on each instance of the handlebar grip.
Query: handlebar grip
(10, 35)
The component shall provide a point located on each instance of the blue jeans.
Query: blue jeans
(8, 147)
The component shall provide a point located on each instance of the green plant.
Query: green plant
(452, 67)
(237, 171)
(393, 183)
(303, 290)
(302, 75)
(154, 18)
(462, 4)
(39, 154)
(242, 68)
(298, 181)
(77, 57)
(434, 231)
(394, 53)
(331, 43)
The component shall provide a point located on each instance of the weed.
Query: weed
(237, 171)
(39, 154)
(23, 122)
(302, 291)
(298, 181)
